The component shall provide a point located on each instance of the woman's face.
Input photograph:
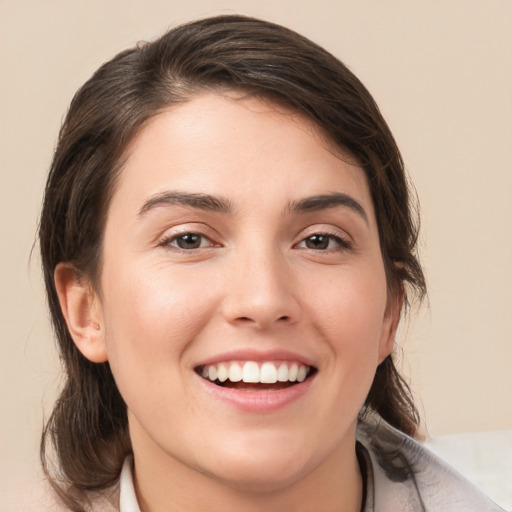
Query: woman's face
(237, 246)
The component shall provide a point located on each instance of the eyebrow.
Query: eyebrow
(321, 202)
(201, 201)
(220, 204)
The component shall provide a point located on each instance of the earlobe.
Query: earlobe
(82, 312)
(391, 320)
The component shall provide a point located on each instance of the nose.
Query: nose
(260, 292)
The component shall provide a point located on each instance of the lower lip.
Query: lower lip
(264, 401)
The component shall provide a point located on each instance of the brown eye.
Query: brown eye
(189, 241)
(324, 242)
(318, 242)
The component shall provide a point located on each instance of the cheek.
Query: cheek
(351, 306)
(150, 320)
(150, 324)
(350, 317)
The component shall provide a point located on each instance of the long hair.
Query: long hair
(88, 428)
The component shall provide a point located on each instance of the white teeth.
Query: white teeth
(301, 375)
(222, 372)
(212, 373)
(268, 373)
(292, 372)
(235, 372)
(282, 373)
(253, 372)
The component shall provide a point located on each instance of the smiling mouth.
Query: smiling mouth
(254, 376)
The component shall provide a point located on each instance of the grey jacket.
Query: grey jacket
(402, 475)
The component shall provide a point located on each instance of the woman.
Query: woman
(228, 244)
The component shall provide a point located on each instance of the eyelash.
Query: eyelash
(168, 241)
(342, 243)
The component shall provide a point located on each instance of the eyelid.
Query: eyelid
(174, 238)
(341, 243)
(344, 240)
(192, 228)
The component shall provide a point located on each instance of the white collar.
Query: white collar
(127, 497)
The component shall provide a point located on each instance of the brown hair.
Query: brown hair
(88, 427)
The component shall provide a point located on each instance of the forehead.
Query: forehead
(244, 146)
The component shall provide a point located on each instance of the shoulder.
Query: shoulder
(38, 495)
(106, 500)
(408, 477)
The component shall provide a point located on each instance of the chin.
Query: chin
(262, 468)
(255, 478)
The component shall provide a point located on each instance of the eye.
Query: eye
(324, 242)
(187, 241)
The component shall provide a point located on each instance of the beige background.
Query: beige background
(441, 72)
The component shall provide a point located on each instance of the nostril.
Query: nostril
(245, 319)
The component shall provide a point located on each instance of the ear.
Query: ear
(81, 308)
(390, 323)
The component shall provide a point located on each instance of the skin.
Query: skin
(255, 283)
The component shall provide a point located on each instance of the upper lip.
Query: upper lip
(257, 356)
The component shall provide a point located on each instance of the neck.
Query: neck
(163, 483)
